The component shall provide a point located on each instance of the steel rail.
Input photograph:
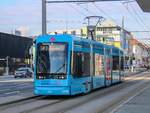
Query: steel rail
(80, 1)
(93, 96)
(88, 98)
(19, 102)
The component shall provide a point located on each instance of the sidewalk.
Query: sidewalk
(10, 78)
(6, 76)
(140, 103)
(128, 73)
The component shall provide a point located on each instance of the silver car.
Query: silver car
(23, 72)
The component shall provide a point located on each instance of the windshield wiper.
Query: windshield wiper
(41, 73)
(56, 72)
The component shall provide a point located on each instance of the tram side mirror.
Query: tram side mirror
(34, 42)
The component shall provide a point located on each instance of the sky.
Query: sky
(27, 13)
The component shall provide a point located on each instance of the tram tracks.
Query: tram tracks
(43, 106)
(19, 102)
(13, 94)
(73, 103)
(56, 106)
(9, 89)
(32, 103)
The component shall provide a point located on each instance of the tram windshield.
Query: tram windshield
(51, 61)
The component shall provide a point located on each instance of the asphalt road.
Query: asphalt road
(103, 100)
(11, 86)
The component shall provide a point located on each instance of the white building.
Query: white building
(140, 53)
(76, 32)
(22, 31)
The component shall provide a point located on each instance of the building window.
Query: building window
(99, 29)
(64, 32)
(73, 32)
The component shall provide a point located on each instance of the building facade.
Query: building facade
(108, 32)
(14, 50)
(77, 32)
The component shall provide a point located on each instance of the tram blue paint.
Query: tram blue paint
(80, 85)
(94, 58)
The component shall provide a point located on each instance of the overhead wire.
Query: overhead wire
(133, 14)
(66, 21)
(72, 6)
(140, 18)
(88, 12)
(108, 16)
(86, 9)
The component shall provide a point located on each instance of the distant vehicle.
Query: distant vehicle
(23, 72)
(70, 65)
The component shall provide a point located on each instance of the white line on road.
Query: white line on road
(26, 86)
(5, 89)
(118, 107)
(12, 92)
(17, 80)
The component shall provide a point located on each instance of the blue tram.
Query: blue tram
(70, 65)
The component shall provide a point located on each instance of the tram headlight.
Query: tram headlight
(65, 91)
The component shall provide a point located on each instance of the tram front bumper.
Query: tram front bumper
(52, 90)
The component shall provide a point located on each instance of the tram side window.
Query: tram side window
(77, 64)
(115, 63)
(86, 64)
(122, 64)
(81, 64)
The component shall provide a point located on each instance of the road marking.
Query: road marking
(29, 86)
(5, 89)
(12, 92)
(17, 80)
(121, 105)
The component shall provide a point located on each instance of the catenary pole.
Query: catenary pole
(44, 18)
(44, 2)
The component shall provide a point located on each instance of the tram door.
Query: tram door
(121, 68)
(115, 69)
(108, 70)
(99, 77)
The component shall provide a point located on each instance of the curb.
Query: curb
(126, 75)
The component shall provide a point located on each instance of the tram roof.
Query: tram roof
(76, 38)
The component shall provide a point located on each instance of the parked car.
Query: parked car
(23, 72)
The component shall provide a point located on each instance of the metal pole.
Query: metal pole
(80, 1)
(123, 43)
(44, 2)
(7, 66)
(44, 26)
